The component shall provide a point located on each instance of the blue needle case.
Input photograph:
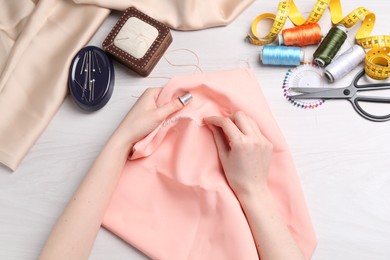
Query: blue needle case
(91, 78)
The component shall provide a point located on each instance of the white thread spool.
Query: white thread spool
(345, 63)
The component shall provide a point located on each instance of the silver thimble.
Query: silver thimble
(185, 99)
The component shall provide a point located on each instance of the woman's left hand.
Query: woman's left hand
(85, 211)
(144, 117)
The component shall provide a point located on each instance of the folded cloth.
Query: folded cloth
(37, 44)
(172, 200)
(38, 40)
(182, 14)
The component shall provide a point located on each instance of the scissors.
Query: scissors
(350, 93)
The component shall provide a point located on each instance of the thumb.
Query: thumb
(174, 106)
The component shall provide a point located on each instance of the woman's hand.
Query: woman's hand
(245, 155)
(244, 152)
(144, 117)
(74, 233)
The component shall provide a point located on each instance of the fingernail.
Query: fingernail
(185, 99)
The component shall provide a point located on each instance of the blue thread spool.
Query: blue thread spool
(281, 55)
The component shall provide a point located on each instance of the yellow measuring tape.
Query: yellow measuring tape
(377, 62)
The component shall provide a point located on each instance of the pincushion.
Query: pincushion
(138, 41)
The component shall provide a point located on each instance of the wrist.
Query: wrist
(119, 144)
(256, 197)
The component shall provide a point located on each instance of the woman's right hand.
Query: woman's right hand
(245, 155)
(244, 152)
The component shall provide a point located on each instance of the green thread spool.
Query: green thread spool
(330, 45)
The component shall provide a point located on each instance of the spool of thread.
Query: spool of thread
(330, 45)
(281, 55)
(301, 35)
(345, 63)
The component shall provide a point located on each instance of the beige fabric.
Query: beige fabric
(182, 14)
(38, 40)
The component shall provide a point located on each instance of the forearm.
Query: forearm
(272, 237)
(74, 233)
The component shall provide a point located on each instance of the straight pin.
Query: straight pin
(97, 61)
(82, 66)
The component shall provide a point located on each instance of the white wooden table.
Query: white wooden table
(343, 160)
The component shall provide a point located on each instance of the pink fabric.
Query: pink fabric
(173, 201)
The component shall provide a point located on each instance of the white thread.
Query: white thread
(197, 66)
(184, 65)
(345, 63)
(246, 62)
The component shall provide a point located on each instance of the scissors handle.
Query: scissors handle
(369, 87)
(357, 99)
(376, 86)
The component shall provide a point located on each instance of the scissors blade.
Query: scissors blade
(309, 90)
(327, 93)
